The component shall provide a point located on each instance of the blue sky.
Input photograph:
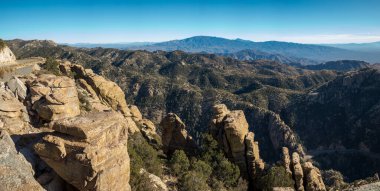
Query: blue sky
(95, 21)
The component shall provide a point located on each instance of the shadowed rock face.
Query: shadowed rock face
(15, 171)
(175, 136)
(90, 152)
(230, 128)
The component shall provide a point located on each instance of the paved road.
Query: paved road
(20, 67)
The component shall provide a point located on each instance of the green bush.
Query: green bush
(179, 162)
(193, 181)
(276, 176)
(2, 44)
(142, 155)
(52, 66)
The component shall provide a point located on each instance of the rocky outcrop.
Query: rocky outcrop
(175, 136)
(155, 181)
(17, 87)
(109, 92)
(282, 135)
(230, 129)
(286, 160)
(297, 172)
(6, 55)
(13, 114)
(306, 176)
(54, 97)
(313, 178)
(89, 151)
(15, 172)
(255, 163)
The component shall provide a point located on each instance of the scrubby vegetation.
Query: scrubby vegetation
(209, 170)
(144, 156)
(2, 44)
(52, 65)
(276, 176)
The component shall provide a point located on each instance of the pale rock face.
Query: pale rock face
(174, 135)
(17, 87)
(54, 97)
(89, 152)
(136, 114)
(15, 171)
(297, 172)
(313, 177)
(156, 181)
(13, 114)
(7, 56)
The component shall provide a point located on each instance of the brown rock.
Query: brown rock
(90, 151)
(136, 114)
(313, 178)
(236, 128)
(297, 172)
(255, 163)
(216, 125)
(108, 92)
(286, 159)
(15, 172)
(174, 135)
(54, 97)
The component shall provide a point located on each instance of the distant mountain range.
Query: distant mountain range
(364, 47)
(285, 52)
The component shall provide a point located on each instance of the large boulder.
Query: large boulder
(54, 97)
(6, 55)
(89, 151)
(175, 136)
(313, 178)
(15, 171)
(17, 87)
(255, 163)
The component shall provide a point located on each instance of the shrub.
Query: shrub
(179, 162)
(193, 181)
(276, 176)
(202, 168)
(52, 65)
(142, 155)
(2, 44)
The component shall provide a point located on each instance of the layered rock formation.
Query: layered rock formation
(175, 136)
(230, 128)
(306, 176)
(90, 151)
(13, 114)
(54, 97)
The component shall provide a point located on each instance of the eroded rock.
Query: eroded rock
(54, 97)
(174, 135)
(89, 151)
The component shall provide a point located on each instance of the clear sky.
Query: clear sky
(109, 21)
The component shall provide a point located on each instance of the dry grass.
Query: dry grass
(5, 70)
